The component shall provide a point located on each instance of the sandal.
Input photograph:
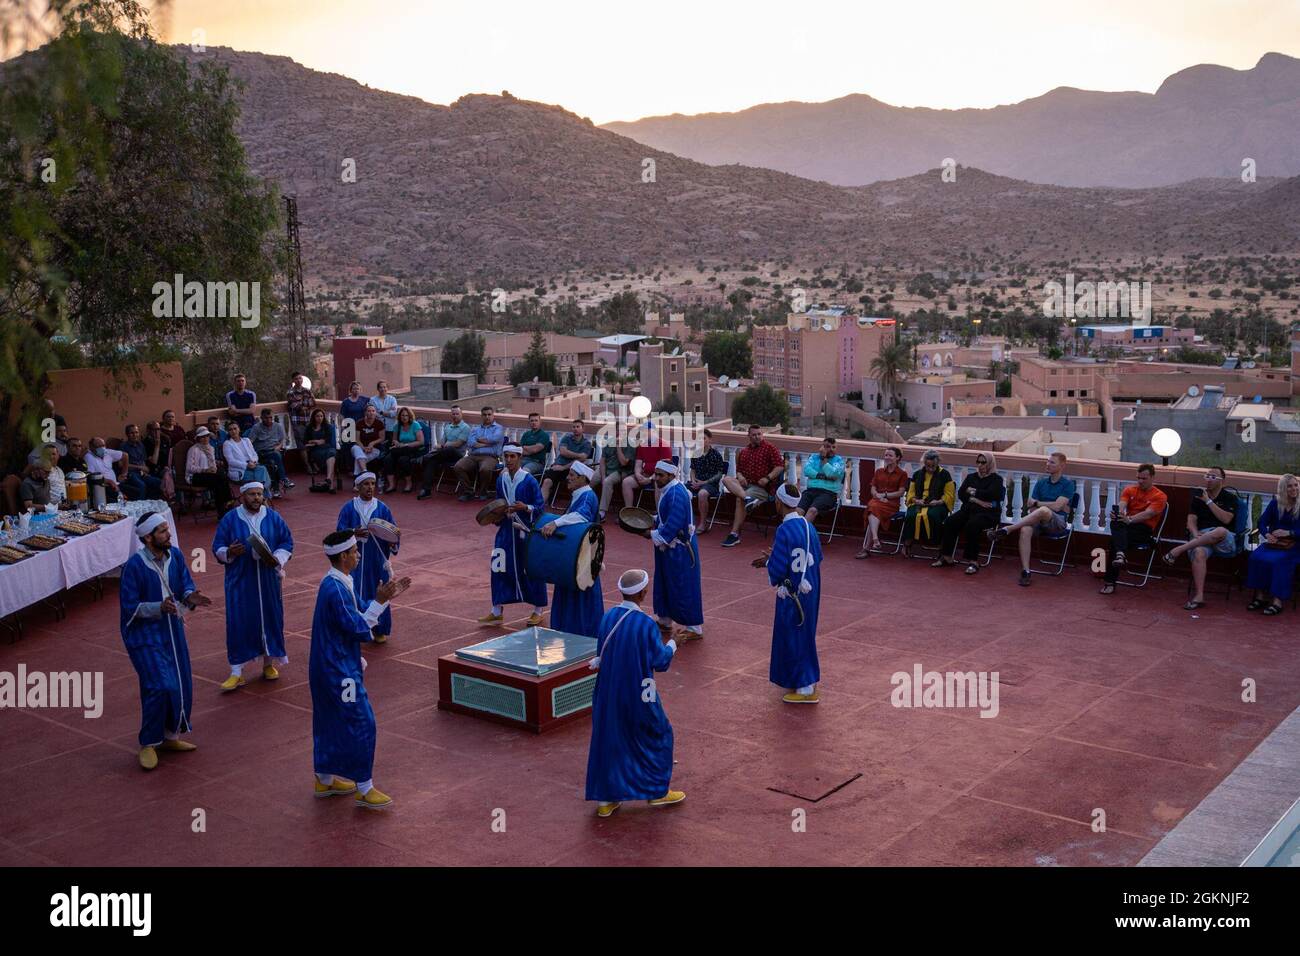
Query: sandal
(1193, 605)
(1108, 589)
(940, 563)
(972, 569)
(1272, 610)
(1256, 604)
(1168, 558)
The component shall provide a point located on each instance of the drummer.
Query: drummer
(677, 597)
(373, 562)
(794, 569)
(510, 582)
(572, 609)
(254, 602)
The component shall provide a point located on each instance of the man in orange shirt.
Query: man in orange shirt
(1133, 521)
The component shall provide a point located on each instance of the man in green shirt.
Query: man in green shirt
(536, 443)
(616, 462)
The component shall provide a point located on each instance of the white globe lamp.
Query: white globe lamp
(639, 407)
(1165, 443)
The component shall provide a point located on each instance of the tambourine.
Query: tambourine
(492, 512)
(261, 550)
(384, 531)
(636, 520)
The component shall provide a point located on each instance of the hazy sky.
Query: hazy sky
(615, 59)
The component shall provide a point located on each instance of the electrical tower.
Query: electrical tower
(295, 304)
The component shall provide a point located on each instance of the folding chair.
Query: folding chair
(835, 517)
(1148, 546)
(1065, 538)
(899, 516)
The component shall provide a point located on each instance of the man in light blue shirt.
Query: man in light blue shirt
(386, 406)
(824, 472)
(477, 470)
(1046, 512)
(455, 436)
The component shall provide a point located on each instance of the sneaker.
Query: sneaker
(1025, 579)
(994, 533)
(750, 503)
(289, 484)
(731, 540)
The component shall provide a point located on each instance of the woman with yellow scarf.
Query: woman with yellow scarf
(930, 496)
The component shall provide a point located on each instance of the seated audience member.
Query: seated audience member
(884, 497)
(203, 471)
(269, 440)
(242, 463)
(1209, 531)
(448, 451)
(171, 429)
(75, 458)
(137, 483)
(536, 443)
(824, 473)
(649, 452)
(406, 451)
(1046, 512)
(981, 495)
(617, 462)
(239, 403)
(478, 468)
(1272, 565)
(216, 434)
(60, 442)
(1133, 520)
(707, 470)
(930, 497)
(575, 446)
(54, 475)
(318, 441)
(109, 464)
(759, 468)
(157, 449)
(371, 442)
(34, 492)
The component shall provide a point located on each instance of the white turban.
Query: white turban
(251, 486)
(148, 524)
(333, 549)
(512, 450)
(785, 498)
(364, 476)
(667, 466)
(633, 581)
(582, 468)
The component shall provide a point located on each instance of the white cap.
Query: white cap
(633, 581)
(666, 465)
(582, 468)
(201, 431)
(785, 498)
(148, 524)
(333, 549)
(364, 476)
(512, 450)
(251, 486)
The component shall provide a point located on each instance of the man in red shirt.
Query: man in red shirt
(648, 454)
(759, 468)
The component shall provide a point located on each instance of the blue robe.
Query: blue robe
(342, 720)
(254, 605)
(510, 581)
(373, 554)
(574, 610)
(677, 569)
(156, 644)
(796, 556)
(631, 755)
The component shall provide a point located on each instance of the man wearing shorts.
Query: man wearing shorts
(759, 467)
(1209, 530)
(1046, 511)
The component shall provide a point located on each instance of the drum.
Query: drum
(636, 520)
(571, 558)
(384, 531)
(261, 550)
(492, 512)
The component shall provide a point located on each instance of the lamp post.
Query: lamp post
(1165, 443)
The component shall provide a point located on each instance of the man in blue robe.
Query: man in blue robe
(677, 598)
(342, 720)
(510, 581)
(573, 609)
(374, 565)
(156, 590)
(794, 569)
(631, 755)
(254, 603)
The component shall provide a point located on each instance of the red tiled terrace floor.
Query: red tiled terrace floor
(1128, 704)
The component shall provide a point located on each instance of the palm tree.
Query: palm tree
(893, 362)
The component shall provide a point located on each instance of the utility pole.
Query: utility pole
(295, 298)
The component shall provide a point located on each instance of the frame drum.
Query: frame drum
(636, 520)
(384, 531)
(492, 512)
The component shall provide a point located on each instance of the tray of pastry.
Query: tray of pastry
(12, 555)
(77, 526)
(43, 542)
(105, 517)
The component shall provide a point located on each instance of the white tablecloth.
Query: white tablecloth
(49, 572)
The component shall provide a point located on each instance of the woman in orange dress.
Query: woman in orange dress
(888, 485)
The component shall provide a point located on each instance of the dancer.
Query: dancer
(342, 720)
(156, 591)
(374, 564)
(510, 582)
(573, 610)
(254, 602)
(677, 558)
(794, 569)
(631, 755)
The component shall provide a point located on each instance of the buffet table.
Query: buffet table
(47, 573)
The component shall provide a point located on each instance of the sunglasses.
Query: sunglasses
(981, 461)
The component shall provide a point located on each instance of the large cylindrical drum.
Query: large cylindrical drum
(571, 558)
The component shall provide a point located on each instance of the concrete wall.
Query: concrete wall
(80, 396)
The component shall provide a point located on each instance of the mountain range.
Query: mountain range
(1202, 122)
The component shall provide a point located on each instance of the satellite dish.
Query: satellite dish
(1048, 412)
(828, 326)
(722, 380)
(1193, 391)
(1250, 365)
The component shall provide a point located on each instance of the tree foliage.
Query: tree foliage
(466, 354)
(761, 404)
(537, 363)
(728, 353)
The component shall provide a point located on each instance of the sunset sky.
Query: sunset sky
(615, 59)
